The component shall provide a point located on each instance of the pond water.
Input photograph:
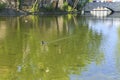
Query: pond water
(68, 47)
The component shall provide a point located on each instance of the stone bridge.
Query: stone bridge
(114, 6)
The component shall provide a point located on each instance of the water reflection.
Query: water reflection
(2, 30)
(108, 70)
(56, 47)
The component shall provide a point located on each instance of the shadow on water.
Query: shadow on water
(47, 47)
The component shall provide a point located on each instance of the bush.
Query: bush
(47, 7)
(35, 7)
(2, 5)
(67, 7)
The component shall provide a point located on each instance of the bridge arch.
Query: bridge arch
(113, 6)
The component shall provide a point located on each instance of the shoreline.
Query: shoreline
(9, 12)
(14, 12)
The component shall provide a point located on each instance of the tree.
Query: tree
(19, 4)
(75, 3)
(35, 6)
(57, 2)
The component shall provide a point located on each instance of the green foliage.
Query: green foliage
(67, 7)
(2, 5)
(34, 8)
(81, 4)
(19, 4)
(49, 8)
(90, 0)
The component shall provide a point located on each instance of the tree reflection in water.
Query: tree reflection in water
(70, 47)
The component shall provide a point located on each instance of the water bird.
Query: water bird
(44, 46)
(43, 43)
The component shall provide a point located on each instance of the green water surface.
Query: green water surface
(65, 47)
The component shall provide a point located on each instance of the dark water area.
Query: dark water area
(68, 47)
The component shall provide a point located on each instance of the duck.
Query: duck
(43, 43)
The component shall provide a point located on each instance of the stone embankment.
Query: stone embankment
(11, 12)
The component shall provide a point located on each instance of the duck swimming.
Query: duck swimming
(43, 43)
(44, 46)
